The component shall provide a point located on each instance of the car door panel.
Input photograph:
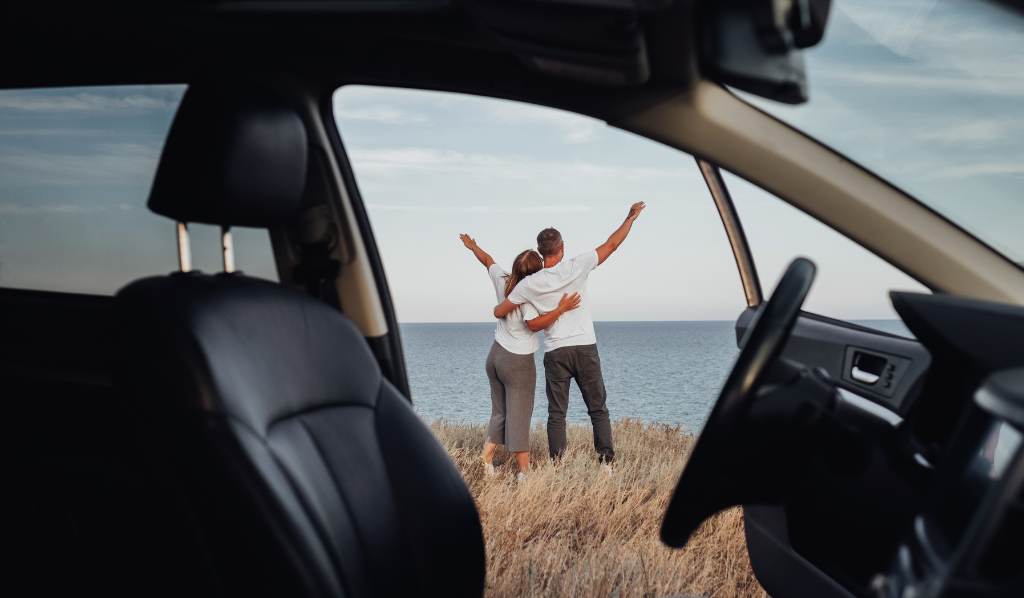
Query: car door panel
(878, 366)
(780, 569)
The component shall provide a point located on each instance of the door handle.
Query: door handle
(868, 368)
(863, 376)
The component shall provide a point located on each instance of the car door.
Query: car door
(876, 365)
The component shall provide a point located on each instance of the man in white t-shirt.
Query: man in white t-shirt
(570, 345)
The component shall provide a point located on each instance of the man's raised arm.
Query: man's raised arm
(617, 237)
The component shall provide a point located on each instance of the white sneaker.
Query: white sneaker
(607, 469)
(489, 470)
(520, 477)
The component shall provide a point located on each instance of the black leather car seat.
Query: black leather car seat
(307, 473)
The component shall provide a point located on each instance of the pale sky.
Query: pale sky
(929, 93)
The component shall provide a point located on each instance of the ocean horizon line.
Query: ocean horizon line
(401, 323)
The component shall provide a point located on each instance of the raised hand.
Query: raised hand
(480, 254)
(569, 302)
(635, 209)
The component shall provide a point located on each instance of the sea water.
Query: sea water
(668, 372)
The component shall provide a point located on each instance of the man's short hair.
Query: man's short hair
(549, 241)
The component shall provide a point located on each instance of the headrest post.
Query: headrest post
(227, 248)
(184, 248)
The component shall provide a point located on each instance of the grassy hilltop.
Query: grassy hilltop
(572, 531)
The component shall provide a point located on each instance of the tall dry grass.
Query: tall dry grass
(570, 530)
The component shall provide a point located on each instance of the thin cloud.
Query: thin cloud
(953, 47)
(916, 79)
(983, 169)
(981, 130)
(896, 25)
(58, 208)
(61, 132)
(391, 106)
(493, 209)
(84, 102)
(390, 162)
(380, 114)
(376, 105)
(573, 128)
(117, 163)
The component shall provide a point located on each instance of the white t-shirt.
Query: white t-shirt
(512, 333)
(543, 291)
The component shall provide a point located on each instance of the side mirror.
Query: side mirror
(755, 45)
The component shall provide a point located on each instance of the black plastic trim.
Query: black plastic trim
(390, 353)
(777, 565)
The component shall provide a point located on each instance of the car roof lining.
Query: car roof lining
(448, 52)
(444, 50)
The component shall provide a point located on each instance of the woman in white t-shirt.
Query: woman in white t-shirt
(510, 365)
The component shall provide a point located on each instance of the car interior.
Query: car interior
(213, 433)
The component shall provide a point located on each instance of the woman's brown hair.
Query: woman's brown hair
(525, 264)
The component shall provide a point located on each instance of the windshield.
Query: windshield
(929, 94)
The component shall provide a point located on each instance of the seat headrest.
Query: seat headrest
(233, 157)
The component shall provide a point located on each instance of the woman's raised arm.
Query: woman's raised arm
(480, 254)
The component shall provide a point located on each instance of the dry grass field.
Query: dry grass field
(570, 530)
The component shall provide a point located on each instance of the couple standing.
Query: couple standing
(545, 292)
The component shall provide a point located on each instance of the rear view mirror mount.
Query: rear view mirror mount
(755, 45)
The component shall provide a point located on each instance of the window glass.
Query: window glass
(76, 165)
(432, 165)
(931, 96)
(852, 283)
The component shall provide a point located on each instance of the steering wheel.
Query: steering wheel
(710, 482)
